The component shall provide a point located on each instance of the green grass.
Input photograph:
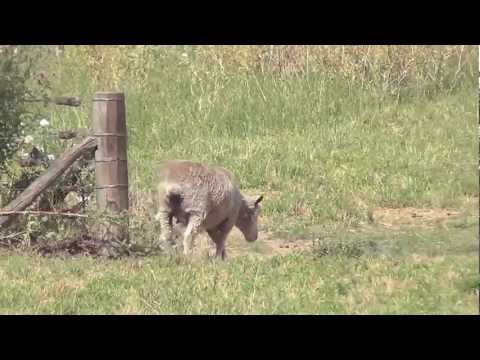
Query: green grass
(325, 150)
(413, 272)
(315, 146)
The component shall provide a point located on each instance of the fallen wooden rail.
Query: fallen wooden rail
(60, 100)
(68, 101)
(42, 213)
(58, 167)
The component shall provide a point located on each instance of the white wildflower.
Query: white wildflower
(51, 157)
(72, 199)
(184, 55)
(44, 122)
(28, 139)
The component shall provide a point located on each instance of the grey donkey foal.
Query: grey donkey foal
(203, 198)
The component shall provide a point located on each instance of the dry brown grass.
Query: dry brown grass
(393, 66)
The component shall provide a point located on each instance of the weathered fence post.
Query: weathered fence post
(111, 171)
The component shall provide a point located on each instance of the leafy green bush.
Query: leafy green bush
(18, 86)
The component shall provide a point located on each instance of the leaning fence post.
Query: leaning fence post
(111, 170)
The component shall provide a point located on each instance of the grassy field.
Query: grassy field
(374, 272)
(330, 146)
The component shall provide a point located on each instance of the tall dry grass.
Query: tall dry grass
(392, 68)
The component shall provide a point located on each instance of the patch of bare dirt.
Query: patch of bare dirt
(283, 247)
(266, 246)
(410, 216)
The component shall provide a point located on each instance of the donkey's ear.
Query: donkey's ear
(259, 200)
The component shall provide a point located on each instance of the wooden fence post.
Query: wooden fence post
(111, 170)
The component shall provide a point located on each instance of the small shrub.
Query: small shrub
(18, 85)
(351, 248)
